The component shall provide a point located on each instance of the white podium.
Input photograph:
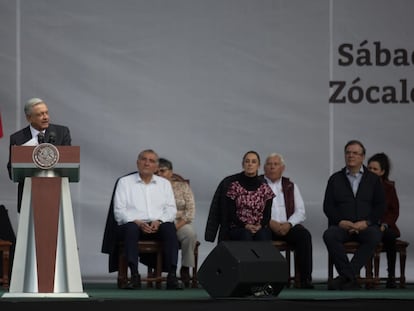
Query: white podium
(46, 260)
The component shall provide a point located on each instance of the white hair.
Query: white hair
(275, 154)
(30, 104)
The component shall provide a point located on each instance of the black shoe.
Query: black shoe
(336, 283)
(306, 285)
(391, 283)
(343, 283)
(134, 283)
(351, 284)
(185, 276)
(173, 283)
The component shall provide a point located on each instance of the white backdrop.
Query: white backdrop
(202, 82)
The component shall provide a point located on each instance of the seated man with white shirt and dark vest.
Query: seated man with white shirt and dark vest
(288, 213)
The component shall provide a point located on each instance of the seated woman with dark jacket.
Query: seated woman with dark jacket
(241, 200)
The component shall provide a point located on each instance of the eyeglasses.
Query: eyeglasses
(353, 153)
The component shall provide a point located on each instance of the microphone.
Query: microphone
(52, 138)
(41, 138)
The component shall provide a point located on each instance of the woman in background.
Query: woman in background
(379, 164)
(184, 199)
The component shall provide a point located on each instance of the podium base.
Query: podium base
(45, 295)
(44, 266)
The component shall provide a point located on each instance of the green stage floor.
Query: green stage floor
(102, 296)
(102, 291)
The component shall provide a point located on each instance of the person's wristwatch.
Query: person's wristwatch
(160, 221)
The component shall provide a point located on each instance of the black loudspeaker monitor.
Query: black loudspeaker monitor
(243, 268)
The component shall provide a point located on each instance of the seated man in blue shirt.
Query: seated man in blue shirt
(354, 203)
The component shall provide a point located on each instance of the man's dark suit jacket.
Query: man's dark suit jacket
(7, 234)
(341, 204)
(61, 137)
(110, 239)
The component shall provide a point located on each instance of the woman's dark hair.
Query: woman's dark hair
(248, 152)
(383, 161)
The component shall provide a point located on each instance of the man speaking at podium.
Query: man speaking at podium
(38, 131)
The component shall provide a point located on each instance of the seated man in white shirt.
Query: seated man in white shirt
(288, 213)
(145, 209)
